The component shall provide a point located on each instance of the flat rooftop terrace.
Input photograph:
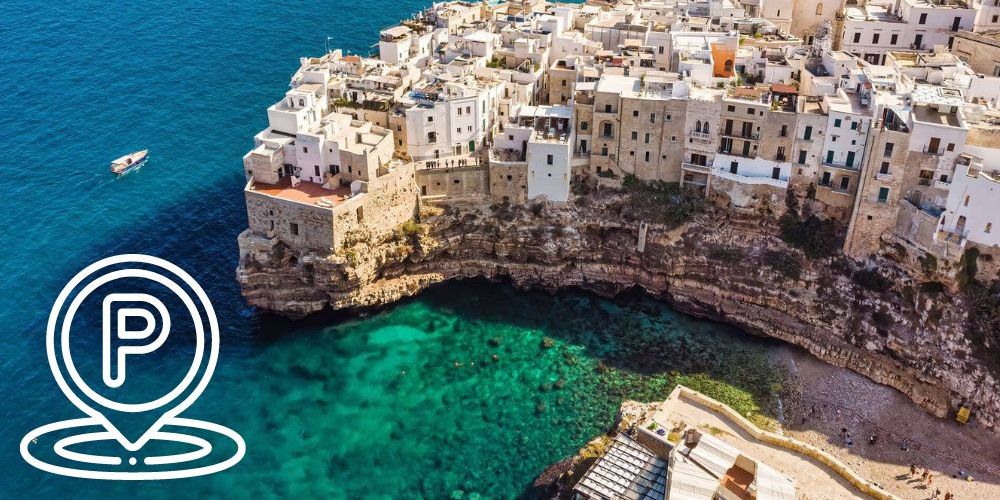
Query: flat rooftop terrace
(306, 192)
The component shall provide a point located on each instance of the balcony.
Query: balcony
(741, 135)
(691, 167)
(701, 137)
(945, 185)
(883, 177)
(936, 152)
(840, 166)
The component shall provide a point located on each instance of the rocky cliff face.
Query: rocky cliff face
(878, 321)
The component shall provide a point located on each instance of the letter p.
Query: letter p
(113, 353)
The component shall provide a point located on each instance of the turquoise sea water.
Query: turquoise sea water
(407, 402)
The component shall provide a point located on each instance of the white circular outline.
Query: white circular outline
(169, 414)
(67, 323)
(241, 449)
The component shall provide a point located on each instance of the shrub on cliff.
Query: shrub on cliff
(816, 237)
(871, 279)
(982, 327)
(660, 202)
(788, 264)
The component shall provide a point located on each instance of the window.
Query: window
(883, 195)
(884, 169)
(635, 135)
(829, 157)
(607, 130)
(661, 49)
(334, 169)
(893, 38)
(652, 118)
(583, 125)
(607, 108)
(857, 37)
(293, 228)
(837, 122)
(668, 118)
(468, 110)
(697, 126)
(459, 111)
(966, 202)
(825, 181)
(360, 214)
(458, 130)
(431, 136)
(564, 83)
(317, 170)
(994, 19)
(734, 167)
(923, 19)
(918, 41)
(305, 149)
(749, 111)
(784, 131)
(635, 113)
(647, 155)
(854, 125)
(802, 156)
(631, 153)
(845, 183)
(874, 38)
(548, 159)
(647, 137)
(781, 154)
(951, 146)
(888, 150)
(808, 133)
(731, 109)
(604, 151)
(819, 9)
(430, 119)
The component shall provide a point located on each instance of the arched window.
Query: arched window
(697, 126)
(704, 129)
(819, 9)
(729, 65)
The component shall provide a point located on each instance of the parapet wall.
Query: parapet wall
(464, 182)
(825, 458)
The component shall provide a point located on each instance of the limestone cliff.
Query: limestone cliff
(878, 321)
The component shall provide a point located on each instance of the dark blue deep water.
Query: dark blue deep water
(407, 402)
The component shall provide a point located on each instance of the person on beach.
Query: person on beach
(913, 470)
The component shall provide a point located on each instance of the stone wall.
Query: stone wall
(873, 218)
(466, 182)
(297, 224)
(389, 201)
(509, 182)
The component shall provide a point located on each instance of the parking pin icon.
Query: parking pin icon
(133, 325)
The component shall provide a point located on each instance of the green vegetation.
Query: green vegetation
(660, 202)
(818, 238)
(352, 257)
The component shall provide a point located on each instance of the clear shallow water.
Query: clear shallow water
(323, 404)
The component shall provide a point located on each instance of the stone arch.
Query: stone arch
(819, 9)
